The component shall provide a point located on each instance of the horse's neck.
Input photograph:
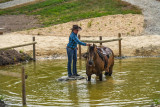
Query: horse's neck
(97, 58)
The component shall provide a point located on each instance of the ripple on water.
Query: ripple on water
(128, 86)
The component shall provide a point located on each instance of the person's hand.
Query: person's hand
(88, 44)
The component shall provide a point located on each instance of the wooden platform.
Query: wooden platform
(66, 78)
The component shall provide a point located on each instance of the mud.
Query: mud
(18, 22)
(12, 57)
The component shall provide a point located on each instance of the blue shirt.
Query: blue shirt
(73, 41)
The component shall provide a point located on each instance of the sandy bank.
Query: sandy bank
(52, 45)
(130, 24)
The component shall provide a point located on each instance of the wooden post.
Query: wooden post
(100, 38)
(120, 54)
(1, 31)
(79, 47)
(23, 87)
(34, 50)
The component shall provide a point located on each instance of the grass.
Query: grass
(89, 24)
(3, 1)
(60, 11)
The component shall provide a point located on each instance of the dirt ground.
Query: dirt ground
(53, 45)
(130, 24)
(52, 41)
(18, 22)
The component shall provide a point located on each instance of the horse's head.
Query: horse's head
(91, 54)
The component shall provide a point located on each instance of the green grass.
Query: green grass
(3, 1)
(60, 11)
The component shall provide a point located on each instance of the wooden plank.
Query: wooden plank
(16, 46)
(102, 41)
(23, 87)
(79, 47)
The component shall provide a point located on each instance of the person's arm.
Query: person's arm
(75, 38)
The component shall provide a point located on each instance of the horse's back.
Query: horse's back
(105, 51)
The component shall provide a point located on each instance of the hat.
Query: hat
(76, 27)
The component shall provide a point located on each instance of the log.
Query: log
(100, 38)
(79, 47)
(34, 50)
(1, 31)
(23, 87)
(16, 46)
(120, 50)
(102, 41)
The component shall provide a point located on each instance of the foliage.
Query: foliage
(60, 11)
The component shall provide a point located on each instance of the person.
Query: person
(72, 50)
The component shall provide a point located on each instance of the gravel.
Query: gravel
(13, 3)
(151, 11)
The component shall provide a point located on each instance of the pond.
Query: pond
(135, 82)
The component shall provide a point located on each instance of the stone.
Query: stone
(66, 78)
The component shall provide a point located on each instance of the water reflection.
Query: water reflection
(135, 82)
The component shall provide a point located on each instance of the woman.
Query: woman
(72, 50)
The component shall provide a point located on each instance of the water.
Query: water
(135, 82)
(13, 3)
(151, 11)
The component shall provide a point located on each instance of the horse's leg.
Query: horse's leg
(89, 77)
(100, 76)
(106, 71)
(110, 70)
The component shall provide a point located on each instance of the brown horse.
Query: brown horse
(99, 59)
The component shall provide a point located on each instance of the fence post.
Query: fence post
(119, 36)
(79, 47)
(23, 87)
(34, 50)
(100, 38)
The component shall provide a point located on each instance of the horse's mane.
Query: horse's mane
(98, 51)
(91, 48)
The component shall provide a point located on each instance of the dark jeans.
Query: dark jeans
(72, 55)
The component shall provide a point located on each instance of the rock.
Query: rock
(66, 78)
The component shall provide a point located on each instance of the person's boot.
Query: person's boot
(76, 75)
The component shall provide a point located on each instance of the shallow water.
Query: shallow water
(151, 11)
(135, 82)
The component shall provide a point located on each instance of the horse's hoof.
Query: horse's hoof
(89, 78)
(106, 73)
(110, 74)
